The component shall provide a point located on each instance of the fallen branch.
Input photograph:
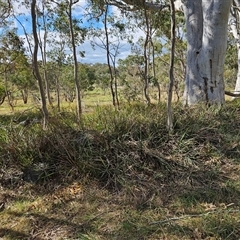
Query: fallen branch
(192, 216)
(232, 94)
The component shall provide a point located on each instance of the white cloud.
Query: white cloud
(99, 55)
(91, 55)
(80, 7)
(20, 8)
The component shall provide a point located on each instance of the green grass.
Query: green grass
(121, 174)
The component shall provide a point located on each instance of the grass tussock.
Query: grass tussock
(122, 175)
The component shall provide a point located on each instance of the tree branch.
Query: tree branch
(232, 94)
(132, 5)
(6, 10)
(192, 216)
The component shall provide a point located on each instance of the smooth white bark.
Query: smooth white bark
(235, 24)
(206, 24)
(237, 86)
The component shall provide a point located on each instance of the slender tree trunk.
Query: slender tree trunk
(108, 58)
(77, 83)
(35, 65)
(7, 92)
(24, 93)
(116, 87)
(146, 59)
(2, 99)
(113, 58)
(58, 75)
(171, 68)
(154, 71)
(58, 93)
(206, 24)
(45, 75)
(43, 46)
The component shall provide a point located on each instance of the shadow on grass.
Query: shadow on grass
(146, 168)
(11, 234)
(41, 226)
(215, 195)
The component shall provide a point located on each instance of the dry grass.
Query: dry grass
(121, 175)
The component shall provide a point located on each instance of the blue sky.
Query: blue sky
(91, 55)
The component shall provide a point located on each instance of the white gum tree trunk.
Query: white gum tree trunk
(207, 30)
(237, 86)
(235, 27)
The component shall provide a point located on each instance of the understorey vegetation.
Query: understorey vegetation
(121, 175)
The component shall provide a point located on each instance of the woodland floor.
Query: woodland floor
(198, 204)
(187, 187)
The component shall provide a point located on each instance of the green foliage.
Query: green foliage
(101, 72)
(61, 23)
(67, 82)
(130, 77)
(5, 9)
(14, 65)
(87, 77)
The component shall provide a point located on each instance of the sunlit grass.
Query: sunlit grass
(121, 174)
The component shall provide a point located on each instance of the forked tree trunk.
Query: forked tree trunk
(206, 24)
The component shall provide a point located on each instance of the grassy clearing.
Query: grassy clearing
(90, 100)
(121, 175)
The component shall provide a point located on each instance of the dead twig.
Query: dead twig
(173, 219)
(232, 94)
